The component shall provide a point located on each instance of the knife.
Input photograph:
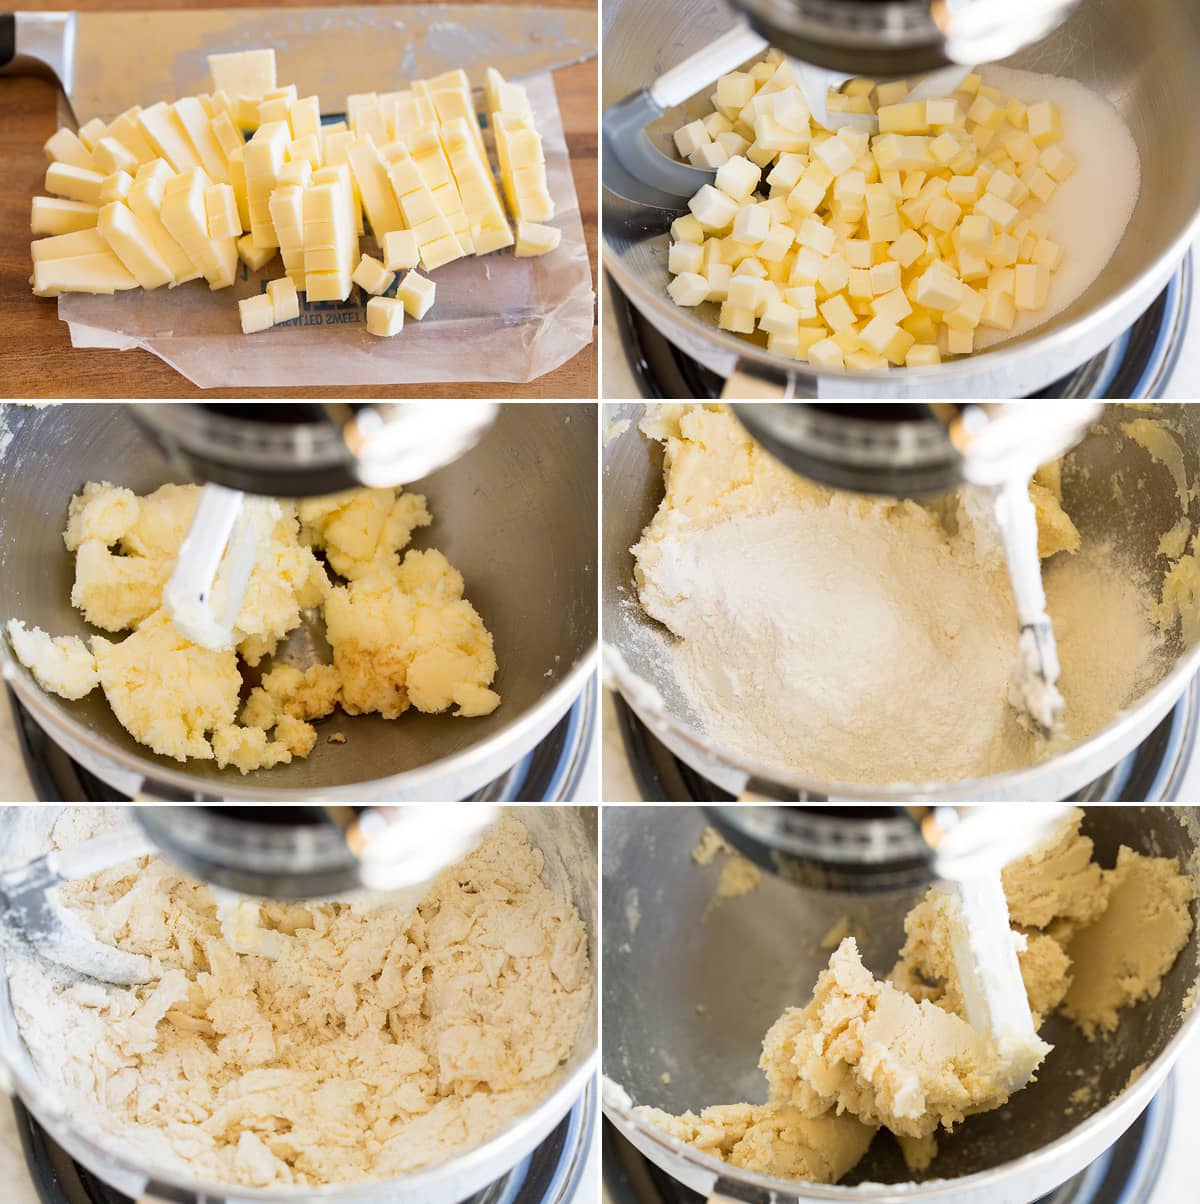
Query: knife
(108, 61)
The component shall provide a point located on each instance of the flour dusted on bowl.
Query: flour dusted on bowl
(382, 1041)
(862, 639)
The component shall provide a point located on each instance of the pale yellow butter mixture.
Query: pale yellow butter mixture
(865, 1053)
(378, 1041)
(403, 634)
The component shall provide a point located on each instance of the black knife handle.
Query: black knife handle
(8, 38)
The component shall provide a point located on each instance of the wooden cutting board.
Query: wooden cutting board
(38, 359)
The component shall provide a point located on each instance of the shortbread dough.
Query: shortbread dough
(402, 633)
(842, 637)
(377, 1042)
(899, 1053)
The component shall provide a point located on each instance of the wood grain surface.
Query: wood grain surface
(38, 359)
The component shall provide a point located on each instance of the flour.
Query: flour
(382, 1042)
(857, 640)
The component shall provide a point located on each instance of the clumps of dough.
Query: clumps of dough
(63, 665)
(402, 632)
(363, 529)
(408, 637)
(166, 692)
(370, 1041)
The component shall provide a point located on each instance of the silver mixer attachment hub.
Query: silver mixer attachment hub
(898, 449)
(282, 450)
(293, 449)
(855, 850)
(902, 37)
(268, 852)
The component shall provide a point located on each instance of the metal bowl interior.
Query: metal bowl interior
(534, 472)
(691, 984)
(1118, 495)
(568, 839)
(1143, 58)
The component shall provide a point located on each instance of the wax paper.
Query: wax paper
(496, 317)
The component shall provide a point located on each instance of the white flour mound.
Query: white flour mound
(382, 1041)
(853, 639)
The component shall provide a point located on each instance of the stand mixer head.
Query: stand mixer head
(261, 852)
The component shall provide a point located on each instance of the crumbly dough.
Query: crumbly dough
(371, 1041)
(402, 632)
(900, 1054)
(841, 636)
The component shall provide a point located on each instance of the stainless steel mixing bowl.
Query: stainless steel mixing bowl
(638, 658)
(669, 947)
(1144, 57)
(516, 514)
(567, 836)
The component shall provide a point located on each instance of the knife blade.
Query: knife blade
(108, 61)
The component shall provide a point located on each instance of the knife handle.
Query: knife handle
(38, 44)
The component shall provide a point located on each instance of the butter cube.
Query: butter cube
(968, 313)
(893, 306)
(737, 178)
(999, 310)
(776, 245)
(1040, 183)
(1049, 254)
(713, 210)
(826, 354)
(252, 255)
(400, 250)
(385, 316)
(1057, 163)
(74, 183)
(834, 274)
(858, 252)
(938, 287)
(685, 257)
(975, 233)
(885, 277)
(718, 276)
(751, 224)
(130, 242)
(688, 288)
(836, 155)
(1001, 184)
(371, 276)
(816, 236)
(285, 302)
(890, 93)
(922, 355)
(907, 249)
(735, 90)
(858, 287)
(883, 227)
(534, 238)
(745, 292)
(1001, 212)
(803, 299)
(683, 229)
(960, 342)
(1045, 123)
(257, 314)
(1032, 282)
(64, 146)
(732, 318)
(945, 148)
(712, 155)
(779, 318)
(417, 293)
(985, 112)
(943, 214)
(691, 137)
(942, 110)
(837, 313)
